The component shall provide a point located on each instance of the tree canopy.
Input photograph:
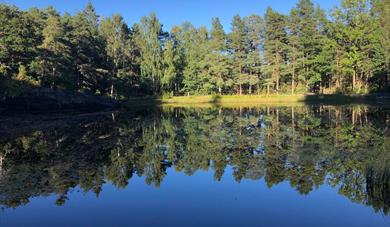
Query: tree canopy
(307, 51)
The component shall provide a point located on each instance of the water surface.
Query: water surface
(209, 166)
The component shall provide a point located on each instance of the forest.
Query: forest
(343, 51)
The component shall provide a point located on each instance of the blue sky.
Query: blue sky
(172, 12)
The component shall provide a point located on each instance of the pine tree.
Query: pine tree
(237, 45)
(17, 40)
(216, 58)
(381, 42)
(88, 55)
(295, 55)
(308, 44)
(275, 47)
(51, 65)
(355, 36)
(254, 26)
(326, 65)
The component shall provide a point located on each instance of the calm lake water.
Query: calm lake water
(201, 166)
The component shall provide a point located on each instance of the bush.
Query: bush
(167, 95)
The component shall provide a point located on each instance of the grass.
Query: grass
(223, 99)
(265, 99)
(252, 100)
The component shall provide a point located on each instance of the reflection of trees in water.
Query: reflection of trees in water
(346, 147)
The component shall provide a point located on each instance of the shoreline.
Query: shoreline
(335, 99)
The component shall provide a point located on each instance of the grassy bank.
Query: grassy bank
(270, 99)
(260, 99)
(225, 99)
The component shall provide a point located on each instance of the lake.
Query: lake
(198, 166)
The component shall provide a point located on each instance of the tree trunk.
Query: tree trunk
(338, 82)
(267, 89)
(293, 80)
(250, 89)
(353, 80)
(306, 85)
(277, 73)
(240, 89)
(219, 87)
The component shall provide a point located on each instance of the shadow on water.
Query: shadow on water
(346, 147)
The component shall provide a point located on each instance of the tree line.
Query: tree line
(307, 51)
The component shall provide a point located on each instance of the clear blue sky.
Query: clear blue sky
(172, 12)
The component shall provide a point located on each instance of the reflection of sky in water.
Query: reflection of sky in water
(197, 201)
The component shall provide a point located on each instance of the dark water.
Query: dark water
(263, 166)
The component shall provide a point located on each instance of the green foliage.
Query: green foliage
(307, 51)
(149, 39)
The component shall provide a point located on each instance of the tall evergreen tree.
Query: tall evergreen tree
(88, 54)
(275, 48)
(381, 42)
(54, 59)
(237, 45)
(308, 44)
(17, 40)
(295, 55)
(254, 26)
(354, 32)
(216, 58)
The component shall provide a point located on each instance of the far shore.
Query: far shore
(333, 99)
